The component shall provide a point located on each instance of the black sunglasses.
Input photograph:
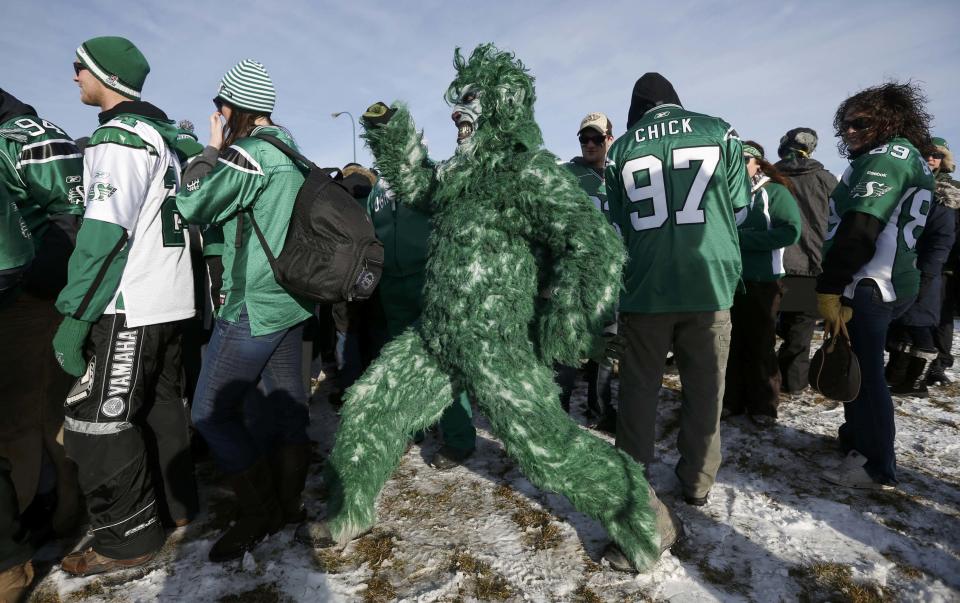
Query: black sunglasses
(937, 155)
(860, 123)
(596, 139)
(78, 67)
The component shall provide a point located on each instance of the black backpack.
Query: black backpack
(331, 253)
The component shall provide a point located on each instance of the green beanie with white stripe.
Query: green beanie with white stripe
(116, 62)
(247, 86)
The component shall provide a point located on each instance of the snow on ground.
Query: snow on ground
(772, 530)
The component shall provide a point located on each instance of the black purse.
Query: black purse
(835, 370)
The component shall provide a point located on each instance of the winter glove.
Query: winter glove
(834, 314)
(377, 114)
(68, 345)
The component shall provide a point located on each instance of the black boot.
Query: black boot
(936, 374)
(259, 513)
(913, 383)
(896, 368)
(290, 465)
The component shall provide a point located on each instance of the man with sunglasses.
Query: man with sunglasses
(595, 136)
(877, 213)
(947, 192)
(129, 287)
(41, 182)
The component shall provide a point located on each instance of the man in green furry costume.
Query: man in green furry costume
(498, 204)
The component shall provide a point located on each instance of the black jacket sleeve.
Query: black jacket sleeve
(936, 239)
(854, 244)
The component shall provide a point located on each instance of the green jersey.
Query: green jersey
(16, 240)
(893, 184)
(767, 226)
(591, 181)
(42, 170)
(674, 181)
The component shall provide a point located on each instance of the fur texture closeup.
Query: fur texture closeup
(499, 206)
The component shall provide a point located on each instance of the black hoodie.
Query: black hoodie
(650, 90)
(10, 107)
(812, 187)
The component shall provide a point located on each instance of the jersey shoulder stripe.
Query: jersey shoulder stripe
(120, 133)
(48, 150)
(239, 159)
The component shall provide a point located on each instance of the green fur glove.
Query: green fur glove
(68, 345)
(377, 114)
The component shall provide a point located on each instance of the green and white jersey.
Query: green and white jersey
(767, 226)
(894, 184)
(591, 181)
(16, 240)
(674, 181)
(42, 170)
(131, 177)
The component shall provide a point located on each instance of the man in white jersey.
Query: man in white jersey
(129, 286)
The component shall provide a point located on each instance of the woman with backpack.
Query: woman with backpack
(238, 180)
(769, 224)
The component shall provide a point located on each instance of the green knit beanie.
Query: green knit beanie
(248, 86)
(116, 62)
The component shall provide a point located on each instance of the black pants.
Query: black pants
(753, 376)
(796, 329)
(943, 334)
(126, 428)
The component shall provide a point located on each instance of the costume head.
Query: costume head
(799, 141)
(651, 89)
(492, 99)
(117, 63)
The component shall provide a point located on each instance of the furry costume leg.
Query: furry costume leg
(403, 391)
(523, 408)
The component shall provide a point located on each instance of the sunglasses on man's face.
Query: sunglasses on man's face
(859, 123)
(77, 67)
(597, 139)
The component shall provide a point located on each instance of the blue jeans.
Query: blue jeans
(235, 361)
(869, 427)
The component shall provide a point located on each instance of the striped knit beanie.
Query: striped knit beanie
(247, 86)
(116, 62)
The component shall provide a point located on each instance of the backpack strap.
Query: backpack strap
(298, 159)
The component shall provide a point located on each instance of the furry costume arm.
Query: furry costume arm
(401, 158)
(587, 256)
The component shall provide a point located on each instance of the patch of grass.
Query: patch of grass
(262, 593)
(487, 584)
(584, 595)
(539, 530)
(834, 582)
(895, 524)
(374, 549)
(47, 594)
(725, 577)
(94, 589)
(379, 590)
(328, 561)
(903, 568)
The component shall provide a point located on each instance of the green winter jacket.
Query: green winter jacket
(591, 181)
(769, 224)
(404, 232)
(250, 173)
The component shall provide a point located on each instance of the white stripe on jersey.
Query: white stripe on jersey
(256, 166)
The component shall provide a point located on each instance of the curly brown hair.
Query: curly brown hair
(768, 168)
(894, 109)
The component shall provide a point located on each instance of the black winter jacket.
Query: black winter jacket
(812, 186)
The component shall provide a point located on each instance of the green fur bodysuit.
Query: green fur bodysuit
(500, 203)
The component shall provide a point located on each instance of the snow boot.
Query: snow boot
(936, 374)
(896, 368)
(290, 464)
(913, 383)
(259, 513)
(669, 527)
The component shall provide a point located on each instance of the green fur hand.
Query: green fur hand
(68, 345)
(377, 114)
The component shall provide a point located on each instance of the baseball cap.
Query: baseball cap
(597, 121)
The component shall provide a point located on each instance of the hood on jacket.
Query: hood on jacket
(11, 106)
(147, 112)
(947, 191)
(795, 165)
(650, 90)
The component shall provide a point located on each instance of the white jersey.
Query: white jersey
(131, 181)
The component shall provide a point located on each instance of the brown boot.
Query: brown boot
(290, 465)
(259, 514)
(89, 562)
(14, 581)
